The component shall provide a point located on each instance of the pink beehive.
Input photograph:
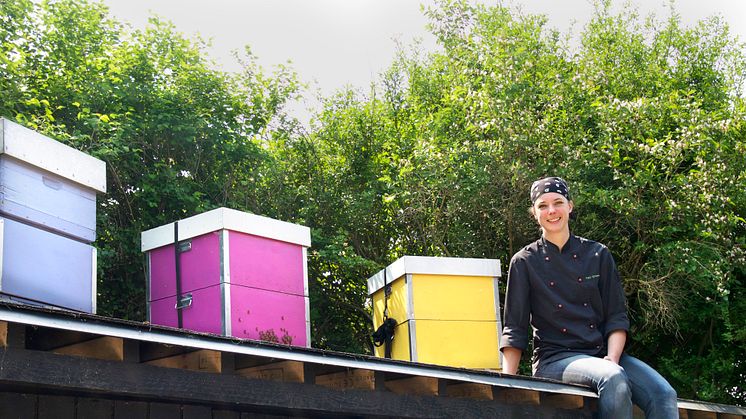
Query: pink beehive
(240, 275)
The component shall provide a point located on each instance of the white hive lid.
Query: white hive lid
(51, 155)
(228, 219)
(430, 265)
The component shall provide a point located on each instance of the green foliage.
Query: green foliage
(645, 118)
(178, 137)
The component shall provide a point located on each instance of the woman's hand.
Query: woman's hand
(615, 345)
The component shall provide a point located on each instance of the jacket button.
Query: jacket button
(559, 305)
(546, 258)
(574, 256)
(564, 330)
(551, 283)
(585, 304)
(580, 279)
(593, 326)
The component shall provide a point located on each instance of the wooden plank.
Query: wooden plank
(196, 412)
(683, 414)
(165, 411)
(106, 347)
(225, 414)
(729, 416)
(126, 409)
(517, 396)
(562, 401)
(285, 371)
(349, 379)
(56, 407)
(421, 386)
(700, 414)
(94, 408)
(470, 391)
(17, 405)
(201, 360)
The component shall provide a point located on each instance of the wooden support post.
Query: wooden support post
(380, 380)
(3, 334)
(470, 391)
(285, 371)
(562, 401)
(419, 386)
(350, 379)
(131, 349)
(228, 363)
(516, 396)
(201, 360)
(106, 347)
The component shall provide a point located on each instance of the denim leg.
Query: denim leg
(650, 390)
(607, 378)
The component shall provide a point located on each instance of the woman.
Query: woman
(568, 289)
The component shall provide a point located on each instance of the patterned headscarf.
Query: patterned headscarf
(549, 184)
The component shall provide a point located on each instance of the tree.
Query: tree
(178, 136)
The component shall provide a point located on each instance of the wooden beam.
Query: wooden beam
(517, 396)
(284, 371)
(421, 386)
(562, 401)
(200, 360)
(729, 416)
(470, 391)
(350, 379)
(106, 347)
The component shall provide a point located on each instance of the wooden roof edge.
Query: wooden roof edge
(104, 326)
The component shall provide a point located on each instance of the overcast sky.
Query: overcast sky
(338, 42)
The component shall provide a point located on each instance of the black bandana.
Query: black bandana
(549, 184)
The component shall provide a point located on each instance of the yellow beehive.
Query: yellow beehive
(447, 310)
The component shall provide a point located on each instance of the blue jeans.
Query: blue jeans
(618, 386)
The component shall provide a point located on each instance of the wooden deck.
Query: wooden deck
(60, 364)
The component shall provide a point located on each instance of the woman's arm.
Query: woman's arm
(511, 359)
(615, 344)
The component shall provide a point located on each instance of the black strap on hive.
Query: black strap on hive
(384, 335)
(177, 260)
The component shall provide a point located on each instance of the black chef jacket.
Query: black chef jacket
(572, 298)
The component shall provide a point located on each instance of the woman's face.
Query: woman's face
(552, 212)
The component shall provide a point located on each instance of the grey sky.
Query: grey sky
(339, 42)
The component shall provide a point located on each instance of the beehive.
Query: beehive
(241, 275)
(447, 310)
(47, 220)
